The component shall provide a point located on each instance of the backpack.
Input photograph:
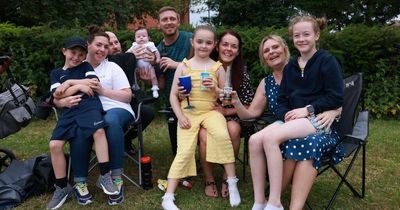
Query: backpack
(22, 179)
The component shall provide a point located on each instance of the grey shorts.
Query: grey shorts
(317, 126)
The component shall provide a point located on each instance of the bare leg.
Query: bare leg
(234, 196)
(234, 130)
(279, 134)
(101, 146)
(168, 198)
(210, 190)
(288, 170)
(258, 167)
(303, 179)
(258, 164)
(57, 158)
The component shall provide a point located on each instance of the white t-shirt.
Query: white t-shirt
(149, 45)
(113, 77)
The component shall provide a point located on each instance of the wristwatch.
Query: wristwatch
(310, 110)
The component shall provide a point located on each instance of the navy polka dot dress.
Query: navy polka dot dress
(312, 147)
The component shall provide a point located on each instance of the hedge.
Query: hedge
(374, 51)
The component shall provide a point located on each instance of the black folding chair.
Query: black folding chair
(353, 136)
(141, 98)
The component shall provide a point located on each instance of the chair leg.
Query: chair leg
(344, 180)
(245, 157)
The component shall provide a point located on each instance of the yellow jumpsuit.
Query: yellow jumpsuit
(219, 146)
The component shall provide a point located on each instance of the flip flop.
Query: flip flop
(213, 186)
(224, 192)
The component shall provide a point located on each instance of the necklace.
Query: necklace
(302, 65)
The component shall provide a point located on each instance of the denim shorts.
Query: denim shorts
(318, 127)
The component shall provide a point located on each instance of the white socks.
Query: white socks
(234, 196)
(168, 202)
(271, 207)
(155, 91)
(258, 206)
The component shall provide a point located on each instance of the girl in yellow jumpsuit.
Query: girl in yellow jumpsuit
(219, 147)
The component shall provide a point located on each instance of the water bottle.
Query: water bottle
(147, 176)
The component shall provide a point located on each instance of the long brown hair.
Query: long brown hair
(95, 31)
(237, 64)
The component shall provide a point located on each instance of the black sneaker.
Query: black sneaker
(82, 194)
(59, 197)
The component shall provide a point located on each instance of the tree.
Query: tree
(250, 13)
(278, 12)
(76, 13)
(60, 13)
(342, 13)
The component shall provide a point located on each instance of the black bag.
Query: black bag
(23, 179)
(16, 107)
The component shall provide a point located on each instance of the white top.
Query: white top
(113, 77)
(149, 45)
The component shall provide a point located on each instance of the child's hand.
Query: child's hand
(182, 92)
(209, 83)
(86, 89)
(61, 89)
(184, 122)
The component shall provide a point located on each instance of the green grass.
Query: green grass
(382, 179)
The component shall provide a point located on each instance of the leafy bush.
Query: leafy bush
(370, 50)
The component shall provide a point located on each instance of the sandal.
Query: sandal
(224, 189)
(210, 189)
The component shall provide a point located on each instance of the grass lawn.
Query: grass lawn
(382, 184)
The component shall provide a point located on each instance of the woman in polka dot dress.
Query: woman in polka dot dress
(302, 155)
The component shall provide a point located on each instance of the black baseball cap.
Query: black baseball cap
(76, 41)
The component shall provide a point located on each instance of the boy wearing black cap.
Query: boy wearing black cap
(83, 120)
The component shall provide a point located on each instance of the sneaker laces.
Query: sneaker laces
(82, 188)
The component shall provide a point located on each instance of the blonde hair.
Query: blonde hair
(318, 24)
(281, 42)
(168, 8)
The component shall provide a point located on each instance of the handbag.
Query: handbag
(16, 107)
(25, 178)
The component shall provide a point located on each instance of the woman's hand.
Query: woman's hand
(86, 89)
(184, 122)
(218, 107)
(325, 119)
(96, 86)
(296, 114)
(235, 98)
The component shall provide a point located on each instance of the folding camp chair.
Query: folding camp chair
(141, 99)
(353, 136)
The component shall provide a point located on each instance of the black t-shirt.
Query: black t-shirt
(127, 61)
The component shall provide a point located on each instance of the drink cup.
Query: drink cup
(227, 99)
(186, 82)
(203, 75)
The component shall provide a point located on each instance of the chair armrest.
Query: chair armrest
(360, 129)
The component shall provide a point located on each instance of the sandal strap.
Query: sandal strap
(209, 183)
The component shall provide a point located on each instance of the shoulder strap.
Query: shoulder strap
(216, 66)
